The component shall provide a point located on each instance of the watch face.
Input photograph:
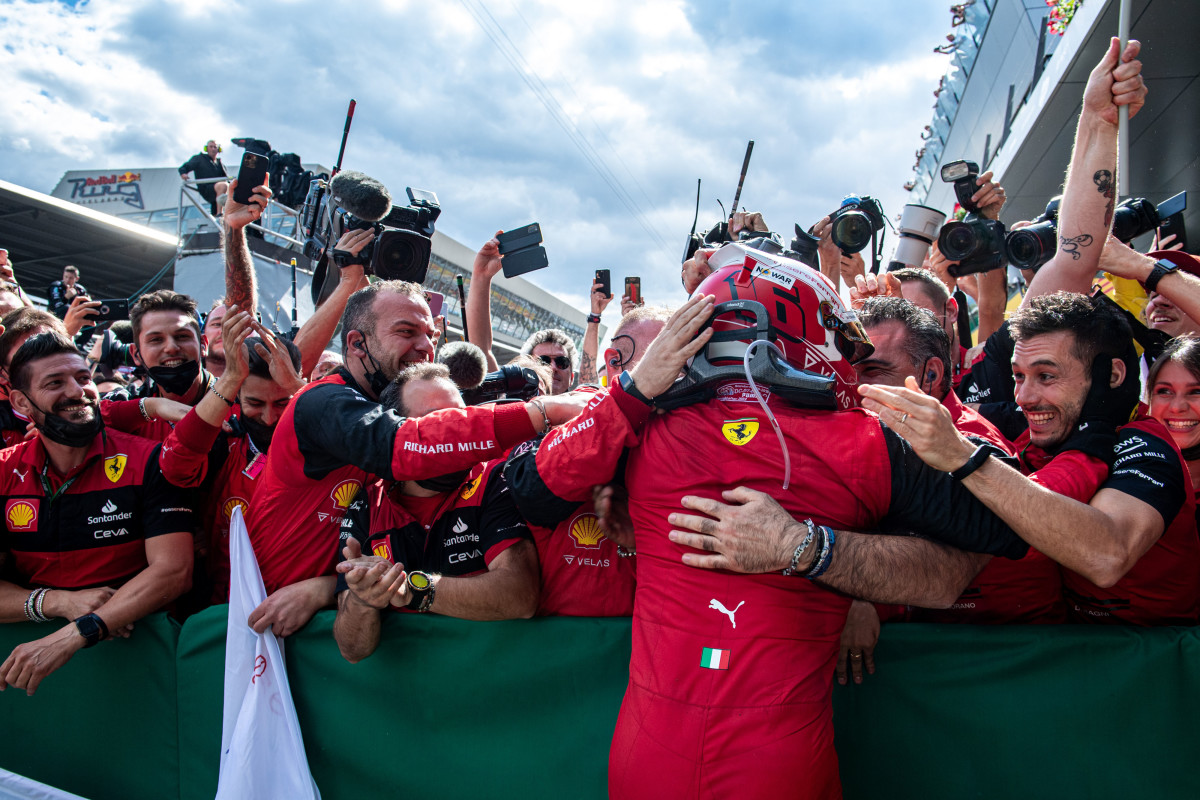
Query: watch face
(418, 581)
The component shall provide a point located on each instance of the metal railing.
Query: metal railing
(274, 215)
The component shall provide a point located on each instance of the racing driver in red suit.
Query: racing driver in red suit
(730, 677)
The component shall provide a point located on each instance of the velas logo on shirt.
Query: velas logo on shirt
(740, 431)
(586, 531)
(114, 468)
(230, 504)
(21, 515)
(468, 490)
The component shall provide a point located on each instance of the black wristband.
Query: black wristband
(92, 629)
(593, 318)
(981, 454)
(1162, 268)
(630, 388)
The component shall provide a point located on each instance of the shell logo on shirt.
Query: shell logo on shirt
(740, 431)
(21, 515)
(586, 531)
(468, 490)
(114, 467)
(344, 493)
(230, 504)
(383, 548)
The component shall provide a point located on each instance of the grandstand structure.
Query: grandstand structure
(1011, 97)
(132, 230)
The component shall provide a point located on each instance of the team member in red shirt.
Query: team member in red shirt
(90, 524)
(335, 435)
(1127, 540)
(584, 572)
(459, 537)
(252, 393)
(1005, 592)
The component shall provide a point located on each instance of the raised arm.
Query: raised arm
(1090, 193)
(591, 336)
(240, 287)
(479, 300)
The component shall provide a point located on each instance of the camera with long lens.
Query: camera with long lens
(403, 241)
(1032, 246)
(1133, 217)
(976, 242)
(919, 227)
(509, 382)
(854, 223)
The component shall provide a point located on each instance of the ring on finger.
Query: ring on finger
(856, 655)
(904, 417)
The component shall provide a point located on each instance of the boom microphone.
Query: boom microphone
(466, 363)
(361, 195)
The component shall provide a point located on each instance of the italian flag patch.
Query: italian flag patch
(714, 659)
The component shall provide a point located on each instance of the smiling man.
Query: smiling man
(94, 533)
(1127, 539)
(335, 434)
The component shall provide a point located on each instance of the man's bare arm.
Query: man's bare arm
(1090, 191)
(240, 287)
(754, 534)
(317, 331)
(356, 627)
(479, 299)
(508, 590)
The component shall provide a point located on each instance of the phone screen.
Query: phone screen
(633, 288)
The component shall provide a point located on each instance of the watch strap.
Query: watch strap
(593, 318)
(1162, 268)
(630, 388)
(981, 454)
(92, 628)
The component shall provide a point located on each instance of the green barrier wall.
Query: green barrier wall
(104, 725)
(447, 708)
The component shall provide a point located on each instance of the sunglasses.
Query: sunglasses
(562, 362)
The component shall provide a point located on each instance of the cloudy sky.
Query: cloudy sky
(593, 118)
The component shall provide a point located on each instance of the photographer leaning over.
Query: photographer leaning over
(335, 435)
(93, 531)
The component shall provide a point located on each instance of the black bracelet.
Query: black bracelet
(1162, 268)
(220, 396)
(632, 390)
(981, 454)
(593, 318)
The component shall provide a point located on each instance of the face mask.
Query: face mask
(70, 434)
(259, 433)
(444, 483)
(176, 380)
(375, 377)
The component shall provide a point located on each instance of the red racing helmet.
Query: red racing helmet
(808, 321)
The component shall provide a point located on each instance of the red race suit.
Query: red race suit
(328, 443)
(731, 675)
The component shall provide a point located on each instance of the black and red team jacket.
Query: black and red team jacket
(92, 533)
(455, 533)
(329, 443)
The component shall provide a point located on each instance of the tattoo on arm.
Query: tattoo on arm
(1071, 244)
(239, 271)
(587, 368)
(1104, 184)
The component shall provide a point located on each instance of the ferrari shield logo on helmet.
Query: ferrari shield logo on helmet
(114, 467)
(740, 431)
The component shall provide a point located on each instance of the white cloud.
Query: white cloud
(664, 91)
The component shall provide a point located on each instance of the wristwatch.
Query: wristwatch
(630, 388)
(420, 586)
(1162, 268)
(593, 318)
(92, 629)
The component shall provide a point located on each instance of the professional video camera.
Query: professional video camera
(976, 243)
(354, 201)
(1032, 246)
(509, 382)
(855, 223)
